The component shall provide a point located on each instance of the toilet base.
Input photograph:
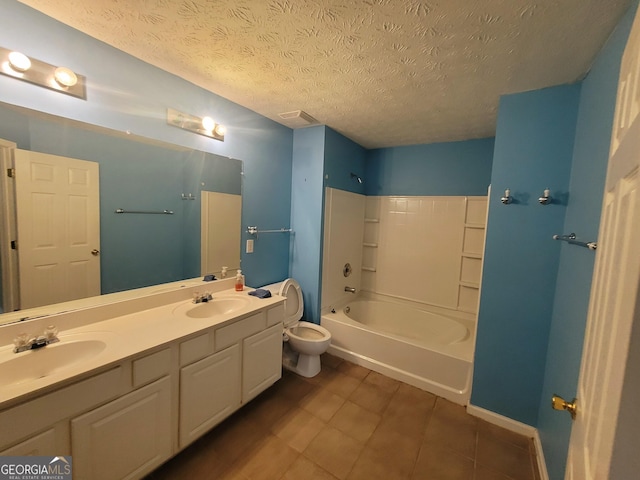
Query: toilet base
(307, 366)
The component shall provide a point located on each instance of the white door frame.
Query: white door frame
(8, 255)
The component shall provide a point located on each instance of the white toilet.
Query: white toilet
(306, 340)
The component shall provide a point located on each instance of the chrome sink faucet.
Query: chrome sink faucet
(205, 297)
(350, 289)
(25, 342)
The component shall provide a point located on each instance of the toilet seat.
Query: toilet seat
(309, 341)
(308, 331)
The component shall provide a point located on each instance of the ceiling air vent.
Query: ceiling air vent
(297, 119)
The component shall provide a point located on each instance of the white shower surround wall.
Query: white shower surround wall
(426, 249)
(343, 231)
(418, 254)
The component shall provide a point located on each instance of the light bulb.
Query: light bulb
(221, 129)
(19, 61)
(208, 123)
(65, 77)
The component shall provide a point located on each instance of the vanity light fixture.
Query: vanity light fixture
(208, 123)
(19, 62)
(65, 77)
(61, 79)
(206, 126)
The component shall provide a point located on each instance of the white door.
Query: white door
(220, 231)
(58, 218)
(615, 286)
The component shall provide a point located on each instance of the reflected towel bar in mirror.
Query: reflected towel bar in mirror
(255, 231)
(163, 212)
(571, 238)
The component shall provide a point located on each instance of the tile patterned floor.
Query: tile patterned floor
(351, 423)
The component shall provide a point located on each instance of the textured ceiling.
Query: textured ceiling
(381, 72)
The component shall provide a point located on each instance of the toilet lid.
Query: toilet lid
(293, 306)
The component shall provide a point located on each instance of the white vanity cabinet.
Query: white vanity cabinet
(209, 393)
(132, 416)
(126, 438)
(41, 426)
(246, 360)
(54, 439)
(261, 361)
(130, 436)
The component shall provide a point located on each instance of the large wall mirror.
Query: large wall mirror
(162, 185)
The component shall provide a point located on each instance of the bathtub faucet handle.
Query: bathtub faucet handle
(350, 289)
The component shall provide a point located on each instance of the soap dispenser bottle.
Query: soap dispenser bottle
(239, 281)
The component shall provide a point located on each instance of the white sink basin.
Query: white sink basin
(217, 306)
(31, 365)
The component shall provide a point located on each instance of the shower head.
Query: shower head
(354, 176)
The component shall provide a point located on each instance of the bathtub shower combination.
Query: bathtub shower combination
(429, 350)
(415, 265)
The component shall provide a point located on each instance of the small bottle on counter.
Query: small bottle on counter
(223, 272)
(239, 281)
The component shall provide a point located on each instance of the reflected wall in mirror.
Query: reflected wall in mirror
(136, 250)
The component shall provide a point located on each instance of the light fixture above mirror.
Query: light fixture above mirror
(206, 126)
(61, 79)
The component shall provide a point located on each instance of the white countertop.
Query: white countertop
(127, 328)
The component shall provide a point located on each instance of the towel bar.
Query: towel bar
(571, 238)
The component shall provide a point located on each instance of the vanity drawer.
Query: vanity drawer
(235, 332)
(275, 315)
(151, 367)
(195, 348)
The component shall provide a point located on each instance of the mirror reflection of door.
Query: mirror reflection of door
(58, 227)
(220, 232)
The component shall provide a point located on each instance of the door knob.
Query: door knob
(559, 403)
(95, 252)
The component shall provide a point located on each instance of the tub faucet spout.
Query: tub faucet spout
(350, 289)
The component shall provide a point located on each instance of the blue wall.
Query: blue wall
(452, 168)
(342, 157)
(124, 93)
(321, 158)
(533, 151)
(588, 172)
(307, 214)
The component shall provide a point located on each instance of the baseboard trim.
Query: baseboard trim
(513, 426)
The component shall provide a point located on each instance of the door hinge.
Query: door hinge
(11, 172)
(14, 244)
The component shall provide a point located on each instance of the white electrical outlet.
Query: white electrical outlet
(250, 246)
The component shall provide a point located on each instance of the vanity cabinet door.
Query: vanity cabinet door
(262, 361)
(124, 439)
(209, 392)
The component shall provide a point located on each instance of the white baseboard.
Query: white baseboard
(516, 427)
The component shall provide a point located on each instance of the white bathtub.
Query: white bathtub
(432, 351)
